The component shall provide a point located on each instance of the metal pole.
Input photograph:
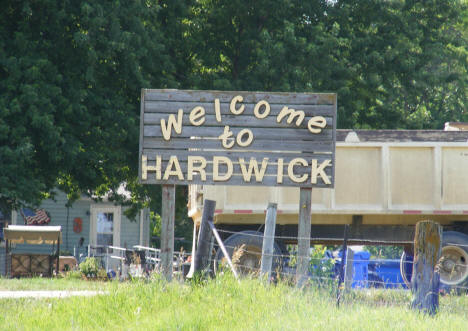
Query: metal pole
(107, 258)
(223, 249)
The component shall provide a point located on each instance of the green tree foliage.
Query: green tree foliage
(71, 74)
(384, 252)
(70, 80)
(394, 64)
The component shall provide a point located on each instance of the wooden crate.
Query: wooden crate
(28, 265)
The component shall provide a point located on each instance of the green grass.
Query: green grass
(222, 304)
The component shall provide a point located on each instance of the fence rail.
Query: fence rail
(137, 261)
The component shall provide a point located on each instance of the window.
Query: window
(105, 229)
(104, 225)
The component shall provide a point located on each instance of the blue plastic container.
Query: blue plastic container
(388, 272)
(360, 269)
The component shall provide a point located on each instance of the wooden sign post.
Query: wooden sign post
(238, 138)
(167, 230)
(303, 236)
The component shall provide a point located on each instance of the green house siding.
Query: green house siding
(62, 215)
(129, 232)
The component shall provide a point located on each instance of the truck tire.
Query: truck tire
(406, 268)
(454, 259)
(245, 250)
(453, 266)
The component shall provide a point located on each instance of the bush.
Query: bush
(90, 267)
(73, 274)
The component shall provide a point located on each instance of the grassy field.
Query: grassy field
(219, 304)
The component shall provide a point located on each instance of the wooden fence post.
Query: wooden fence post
(303, 234)
(342, 266)
(425, 279)
(167, 230)
(202, 253)
(349, 270)
(268, 240)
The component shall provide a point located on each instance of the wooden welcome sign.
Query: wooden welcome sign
(237, 138)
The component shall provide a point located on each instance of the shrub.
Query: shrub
(73, 274)
(90, 267)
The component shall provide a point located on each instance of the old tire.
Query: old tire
(245, 250)
(453, 265)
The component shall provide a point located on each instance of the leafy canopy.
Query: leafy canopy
(71, 74)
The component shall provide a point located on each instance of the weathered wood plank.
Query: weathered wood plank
(171, 107)
(268, 180)
(258, 133)
(234, 156)
(257, 144)
(303, 236)
(249, 97)
(233, 121)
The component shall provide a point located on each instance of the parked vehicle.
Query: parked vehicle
(385, 182)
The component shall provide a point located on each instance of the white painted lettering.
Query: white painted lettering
(241, 134)
(177, 171)
(234, 101)
(292, 176)
(316, 122)
(299, 115)
(319, 171)
(145, 167)
(225, 136)
(191, 168)
(197, 116)
(217, 110)
(279, 172)
(253, 166)
(266, 111)
(172, 122)
(216, 161)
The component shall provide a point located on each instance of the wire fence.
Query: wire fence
(322, 271)
(453, 267)
(139, 261)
